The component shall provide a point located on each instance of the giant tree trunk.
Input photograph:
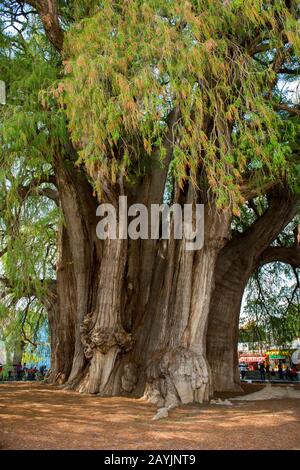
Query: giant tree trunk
(74, 270)
(172, 344)
(163, 354)
(139, 307)
(60, 304)
(147, 317)
(133, 313)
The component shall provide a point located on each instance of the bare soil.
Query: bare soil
(39, 416)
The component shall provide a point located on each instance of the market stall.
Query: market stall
(252, 360)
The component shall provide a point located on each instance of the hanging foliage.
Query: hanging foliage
(132, 62)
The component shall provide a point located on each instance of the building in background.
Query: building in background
(253, 354)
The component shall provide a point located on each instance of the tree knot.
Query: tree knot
(104, 338)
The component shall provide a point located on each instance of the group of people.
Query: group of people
(19, 372)
(286, 374)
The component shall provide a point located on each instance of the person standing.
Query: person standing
(293, 373)
(243, 371)
(287, 373)
(262, 371)
(19, 371)
(280, 371)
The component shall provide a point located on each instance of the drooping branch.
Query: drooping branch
(25, 337)
(261, 296)
(49, 286)
(295, 290)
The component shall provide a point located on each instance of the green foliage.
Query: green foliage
(28, 129)
(252, 333)
(130, 63)
(32, 131)
(22, 321)
(5, 372)
(271, 314)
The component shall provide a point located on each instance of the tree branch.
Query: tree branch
(285, 107)
(35, 182)
(2, 252)
(49, 193)
(48, 12)
(288, 255)
(287, 71)
(250, 193)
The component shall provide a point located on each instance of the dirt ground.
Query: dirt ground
(37, 416)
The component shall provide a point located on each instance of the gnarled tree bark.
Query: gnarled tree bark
(235, 264)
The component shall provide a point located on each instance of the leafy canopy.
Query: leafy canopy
(131, 62)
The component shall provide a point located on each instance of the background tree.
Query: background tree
(271, 315)
(28, 251)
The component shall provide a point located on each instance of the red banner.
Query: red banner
(248, 359)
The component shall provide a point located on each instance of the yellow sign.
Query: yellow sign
(278, 352)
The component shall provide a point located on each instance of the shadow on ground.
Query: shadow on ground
(37, 416)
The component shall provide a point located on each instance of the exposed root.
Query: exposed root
(179, 377)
